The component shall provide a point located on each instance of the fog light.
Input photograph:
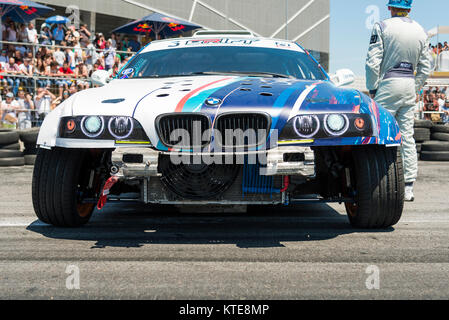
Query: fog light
(92, 126)
(336, 124)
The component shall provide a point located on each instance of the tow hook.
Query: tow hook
(106, 190)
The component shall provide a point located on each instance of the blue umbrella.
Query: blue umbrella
(157, 24)
(22, 10)
(57, 20)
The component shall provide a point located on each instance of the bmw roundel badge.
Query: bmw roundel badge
(213, 102)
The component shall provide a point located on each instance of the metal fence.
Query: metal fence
(14, 82)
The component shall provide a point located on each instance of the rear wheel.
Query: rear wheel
(377, 183)
(63, 179)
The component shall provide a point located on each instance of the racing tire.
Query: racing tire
(9, 137)
(440, 136)
(378, 179)
(29, 136)
(12, 162)
(440, 128)
(423, 124)
(30, 160)
(57, 177)
(435, 146)
(14, 146)
(422, 134)
(435, 156)
(10, 154)
(30, 149)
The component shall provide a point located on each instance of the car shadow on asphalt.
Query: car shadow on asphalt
(133, 226)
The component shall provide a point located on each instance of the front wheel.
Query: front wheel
(62, 181)
(377, 183)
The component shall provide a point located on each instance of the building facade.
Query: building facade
(304, 21)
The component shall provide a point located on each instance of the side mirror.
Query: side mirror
(343, 77)
(100, 77)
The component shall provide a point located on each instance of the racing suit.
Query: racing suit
(397, 67)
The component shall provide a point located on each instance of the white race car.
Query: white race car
(219, 119)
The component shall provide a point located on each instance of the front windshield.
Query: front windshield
(222, 60)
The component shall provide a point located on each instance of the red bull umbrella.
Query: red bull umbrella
(158, 25)
(22, 10)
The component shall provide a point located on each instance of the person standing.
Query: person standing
(397, 67)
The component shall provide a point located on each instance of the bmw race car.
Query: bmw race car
(220, 119)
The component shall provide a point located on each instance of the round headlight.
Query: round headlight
(306, 126)
(121, 127)
(336, 124)
(92, 126)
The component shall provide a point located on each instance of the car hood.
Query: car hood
(146, 99)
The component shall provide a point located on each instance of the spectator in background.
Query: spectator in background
(27, 70)
(64, 83)
(11, 32)
(32, 35)
(134, 44)
(22, 35)
(25, 102)
(59, 56)
(13, 69)
(58, 34)
(43, 102)
(91, 56)
(45, 36)
(84, 35)
(9, 109)
(109, 56)
(4, 58)
(100, 43)
(82, 73)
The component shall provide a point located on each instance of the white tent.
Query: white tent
(438, 30)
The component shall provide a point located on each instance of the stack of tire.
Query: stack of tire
(438, 148)
(10, 154)
(29, 139)
(423, 132)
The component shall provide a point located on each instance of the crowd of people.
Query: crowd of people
(39, 70)
(436, 101)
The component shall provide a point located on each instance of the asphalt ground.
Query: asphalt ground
(306, 252)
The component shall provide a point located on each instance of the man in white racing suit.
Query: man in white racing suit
(397, 67)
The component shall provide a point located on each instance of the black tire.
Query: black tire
(422, 134)
(58, 173)
(10, 154)
(9, 137)
(440, 136)
(29, 136)
(423, 124)
(30, 149)
(12, 162)
(378, 177)
(14, 146)
(435, 146)
(440, 128)
(435, 156)
(30, 160)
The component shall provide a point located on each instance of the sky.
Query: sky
(350, 34)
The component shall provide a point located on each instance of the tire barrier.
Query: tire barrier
(11, 146)
(432, 141)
